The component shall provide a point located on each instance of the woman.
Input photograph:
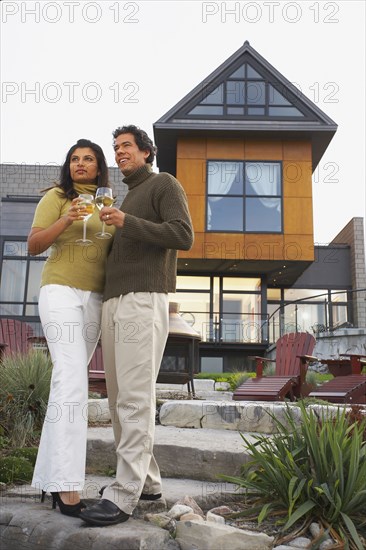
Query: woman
(70, 307)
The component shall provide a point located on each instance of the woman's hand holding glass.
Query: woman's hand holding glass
(87, 202)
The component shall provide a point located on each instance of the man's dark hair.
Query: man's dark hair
(143, 142)
(66, 183)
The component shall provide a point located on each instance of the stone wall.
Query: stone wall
(29, 180)
(353, 235)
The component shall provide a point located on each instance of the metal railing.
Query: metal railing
(308, 315)
(280, 322)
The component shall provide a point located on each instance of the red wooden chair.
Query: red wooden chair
(96, 372)
(292, 358)
(343, 389)
(15, 336)
(350, 386)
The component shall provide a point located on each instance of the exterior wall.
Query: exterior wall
(297, 240)
(330, 269)
(26, 179)
(353, 235)
(21, 186)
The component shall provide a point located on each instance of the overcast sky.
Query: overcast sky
(80, 69)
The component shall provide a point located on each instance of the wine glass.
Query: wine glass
(87, 201)
(103, 197)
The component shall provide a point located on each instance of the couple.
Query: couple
(127, 285)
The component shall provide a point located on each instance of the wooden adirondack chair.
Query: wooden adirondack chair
(96, 372)
(350, 387)
(14, 336)
(292, 358)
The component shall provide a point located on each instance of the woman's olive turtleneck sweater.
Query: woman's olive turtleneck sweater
(143, 257)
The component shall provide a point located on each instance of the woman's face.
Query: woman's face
(83, 165)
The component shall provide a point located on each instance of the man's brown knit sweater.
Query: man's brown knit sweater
(143, 257)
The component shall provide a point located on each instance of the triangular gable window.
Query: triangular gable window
(246, 93)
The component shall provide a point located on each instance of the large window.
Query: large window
(20, 279)
(247, 93)
(310, 310)
(244, 197)
(222, 309)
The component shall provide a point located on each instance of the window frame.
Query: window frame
(265, 77)
(243, 197)
(23, 257)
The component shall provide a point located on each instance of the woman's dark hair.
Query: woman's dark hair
(143, 142)
(66, 183)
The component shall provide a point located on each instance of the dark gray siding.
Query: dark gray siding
(331, 269)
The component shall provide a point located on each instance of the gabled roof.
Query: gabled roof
(244, 97)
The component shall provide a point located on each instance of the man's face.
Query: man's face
(128, 156)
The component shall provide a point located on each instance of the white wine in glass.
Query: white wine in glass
(87, 201)
(103, 197)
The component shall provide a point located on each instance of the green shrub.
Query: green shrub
(313, 470)
(15, 469)
(217, 376)
(24, 390)
(29, 453)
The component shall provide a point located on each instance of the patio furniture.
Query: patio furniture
(343, 389)
(292, 358)
(14, 336)
(179, 363)
(348, 384)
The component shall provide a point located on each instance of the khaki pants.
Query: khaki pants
(134, 332)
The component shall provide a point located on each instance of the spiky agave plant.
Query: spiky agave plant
(24, 390)
(315, 469)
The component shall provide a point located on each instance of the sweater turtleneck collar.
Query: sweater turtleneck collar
(89, 188)
(141, 174)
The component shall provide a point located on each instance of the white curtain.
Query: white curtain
(265, 181)
(220, 182)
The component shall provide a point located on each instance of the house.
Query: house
(244, 144)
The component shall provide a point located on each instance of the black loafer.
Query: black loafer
(143, 496)
(103, 513)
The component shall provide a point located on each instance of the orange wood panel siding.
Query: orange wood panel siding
(296, 242)
(263, 150)
(225, 149)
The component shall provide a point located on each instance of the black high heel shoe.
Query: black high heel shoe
(66, 509)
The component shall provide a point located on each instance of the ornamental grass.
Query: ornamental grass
(314, 470)
(24, 390)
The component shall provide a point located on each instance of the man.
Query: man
(152, 224)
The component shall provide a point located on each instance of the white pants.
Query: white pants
(134, 332)
(71, 323)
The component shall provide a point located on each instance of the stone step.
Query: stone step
(207, 494)
(201, 454)
(27, 523)
(242, 416)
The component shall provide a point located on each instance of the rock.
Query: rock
(98, 410)
(190, 516)
(219, 386)
(146, 507)
(215, 518)
(226, 415)
(221, 510)
(189, 501)
(163, 521)
(329, 543)
(300, 542)
(199, 535)
(178, 510)
(314, 529)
